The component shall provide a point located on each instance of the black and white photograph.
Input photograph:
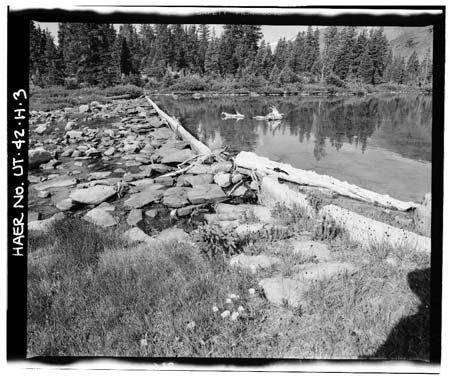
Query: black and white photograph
(226, 185)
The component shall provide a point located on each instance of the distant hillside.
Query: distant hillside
(403, 40)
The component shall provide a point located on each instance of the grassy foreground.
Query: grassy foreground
(92, 294)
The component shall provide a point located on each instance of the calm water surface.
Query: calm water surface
(382, 143)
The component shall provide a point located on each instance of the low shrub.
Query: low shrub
(128, 89)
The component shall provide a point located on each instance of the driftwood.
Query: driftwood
(273, 193)
(371, 232)
(272, 116)
(265, 166)
(226, 116)
(198, 146)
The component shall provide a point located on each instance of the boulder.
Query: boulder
(110, 151)
(222, 179)
(152, 213)
(44, 225)
(38, 156)
(137, 235)
(83, 108)
(150, 194)
(93, 195)
(75, 134)
(222, 167)
(206, 193)
(175, 197)
(236, 177)
(99, 175)
(134, 217)
(281, 291)
(100, 217)
(41, 129)
(166, 181)
(64, 205)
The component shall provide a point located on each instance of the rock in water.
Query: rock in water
(38, 156)
(100, 217)
(61, 181)
(206, 193)
(93, 195)
(422, 216)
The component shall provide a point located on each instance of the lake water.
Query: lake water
(382, 143)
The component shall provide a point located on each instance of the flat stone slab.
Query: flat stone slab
(280, 291)
(93, 195)
(162, 134)
(148, 195)
(44, 225)
(100, 217)
(322, 271)
(172, 234)
(99, 175)
(196, 180)
(253, 263)
(61, 181)
(134, 217)
(175, 197)
(206, 193)
(137, 235)
(311, 249)
(199, 169)
(142, 183)
(105, 182)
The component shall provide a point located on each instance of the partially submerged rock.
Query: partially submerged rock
(38, 156)
(149, 195)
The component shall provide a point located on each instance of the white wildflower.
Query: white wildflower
(225, 314)
(240, 309)
(228, 301)
(234, 316)
(233, 296)
(251, 291)
(215, 309)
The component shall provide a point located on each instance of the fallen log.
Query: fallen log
(265, 166)
(371, 232)
(178, 129)
(273, 193)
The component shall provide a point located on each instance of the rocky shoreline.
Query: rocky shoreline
(121, 165)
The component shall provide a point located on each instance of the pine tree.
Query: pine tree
(412, 68)
(366, 68)
(212, 57)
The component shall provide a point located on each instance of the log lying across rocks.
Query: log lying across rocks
(368, 231)
(265, 166)
(178, 129)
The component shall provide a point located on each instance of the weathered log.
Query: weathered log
(263, 165)
(371, 232)
(273, 192)
(178, 129)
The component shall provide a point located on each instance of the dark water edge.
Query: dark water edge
(380, 142)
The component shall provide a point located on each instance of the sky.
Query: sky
(272, 33)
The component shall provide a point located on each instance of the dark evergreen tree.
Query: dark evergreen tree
(412, 68)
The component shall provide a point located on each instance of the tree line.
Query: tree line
(98, 55)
